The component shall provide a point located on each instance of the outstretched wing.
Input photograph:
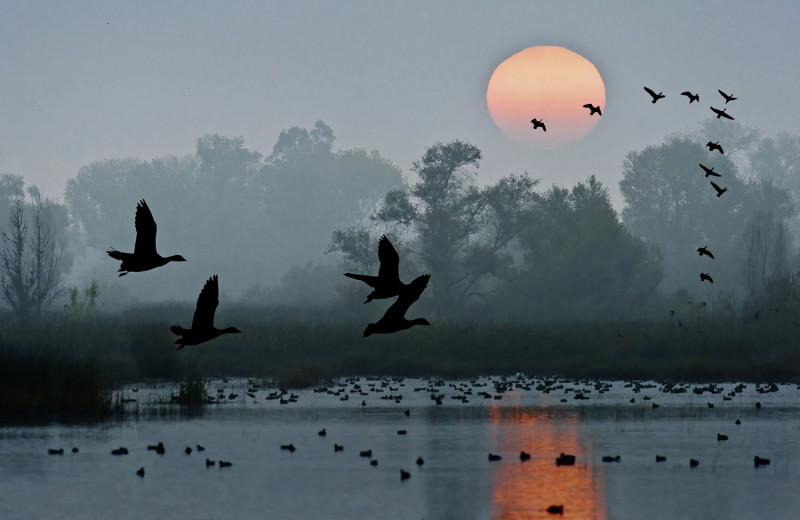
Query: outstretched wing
(649, 91)
(408, 295)
(725, 115)
(687, 93)
(390, 261)
(589, 106)
(145, 231)
(206, 305)
(715, 186)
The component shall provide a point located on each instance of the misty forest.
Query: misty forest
(524, 277)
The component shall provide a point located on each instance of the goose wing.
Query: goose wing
(206, 305)
(389, 259)
(589, 106)
(397, 311)
(649, 91)
(715, 186)
(145, 231)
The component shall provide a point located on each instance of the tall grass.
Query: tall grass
(67, 367)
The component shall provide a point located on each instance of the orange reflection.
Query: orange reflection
(524, 490)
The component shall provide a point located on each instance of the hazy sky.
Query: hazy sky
(107, 79)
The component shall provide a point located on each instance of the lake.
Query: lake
(501, 416)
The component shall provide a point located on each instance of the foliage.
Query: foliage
(669, 203)
(82, 308)
(32, 259)
(578, 257)
(229, 206)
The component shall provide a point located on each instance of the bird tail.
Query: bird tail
(180, 331)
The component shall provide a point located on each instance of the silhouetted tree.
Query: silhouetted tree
(32, 259)
(578, 259)
(670, 203)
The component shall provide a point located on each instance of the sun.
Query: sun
(550, 84)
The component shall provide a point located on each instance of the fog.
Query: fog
(256, 133)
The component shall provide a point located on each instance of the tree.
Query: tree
(670, 203)
(578, 257)
(457, 231)
(32, 262)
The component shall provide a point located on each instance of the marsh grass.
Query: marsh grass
(63, 367)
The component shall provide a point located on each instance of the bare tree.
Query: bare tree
(30, 260)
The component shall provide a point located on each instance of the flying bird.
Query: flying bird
(720, 191)
(705, 277)
(538, 124)
(203, 328)
(655, 96)
(387, 284)
(593, 109)
(704, 251)
(144, 256)
(714, 146)
(727, 97)
(692, 97)
(394, 319)
(709, 171)
(721, 113)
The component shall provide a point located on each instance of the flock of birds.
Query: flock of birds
(386, 284)
(490, 389)
(712, 146)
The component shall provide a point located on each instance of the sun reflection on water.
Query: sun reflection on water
(524, 490)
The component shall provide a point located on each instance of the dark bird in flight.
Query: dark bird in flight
(705, 276)
(720, 191)
(144, 256)
(692, 97)
(387, 284)
(727, 97)
(655, 96)
(714, 146)
(394, 319)
(203, 321)
(538, 124)
(704, 251)
(721, 113)
(593, 109)
(709, 171)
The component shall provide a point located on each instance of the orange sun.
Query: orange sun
(550, 84)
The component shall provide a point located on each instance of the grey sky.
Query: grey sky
(105, 79)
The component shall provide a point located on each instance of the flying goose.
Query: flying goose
(720, 191)
(727, 97)
(394, 319)
(692, 97)
(655, 96)
(144, 256)
(593, 109)
(714, 146)
(387, 284)
(538, 124)
(203, 328)
(709, 171)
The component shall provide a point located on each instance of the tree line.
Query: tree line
(506, 251)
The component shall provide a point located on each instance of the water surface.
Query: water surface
(454, 440)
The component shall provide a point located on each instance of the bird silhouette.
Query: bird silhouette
(144, 256)
(727, 97)
(720, 191)
(538, 124)
(593, 109)
(714, 146)
(655, 96)
(721, 113)
(709, 171)
(394, 319)
(704, 251)
(706, 277)
(387, 284)
(692, 97)
(203, 321)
